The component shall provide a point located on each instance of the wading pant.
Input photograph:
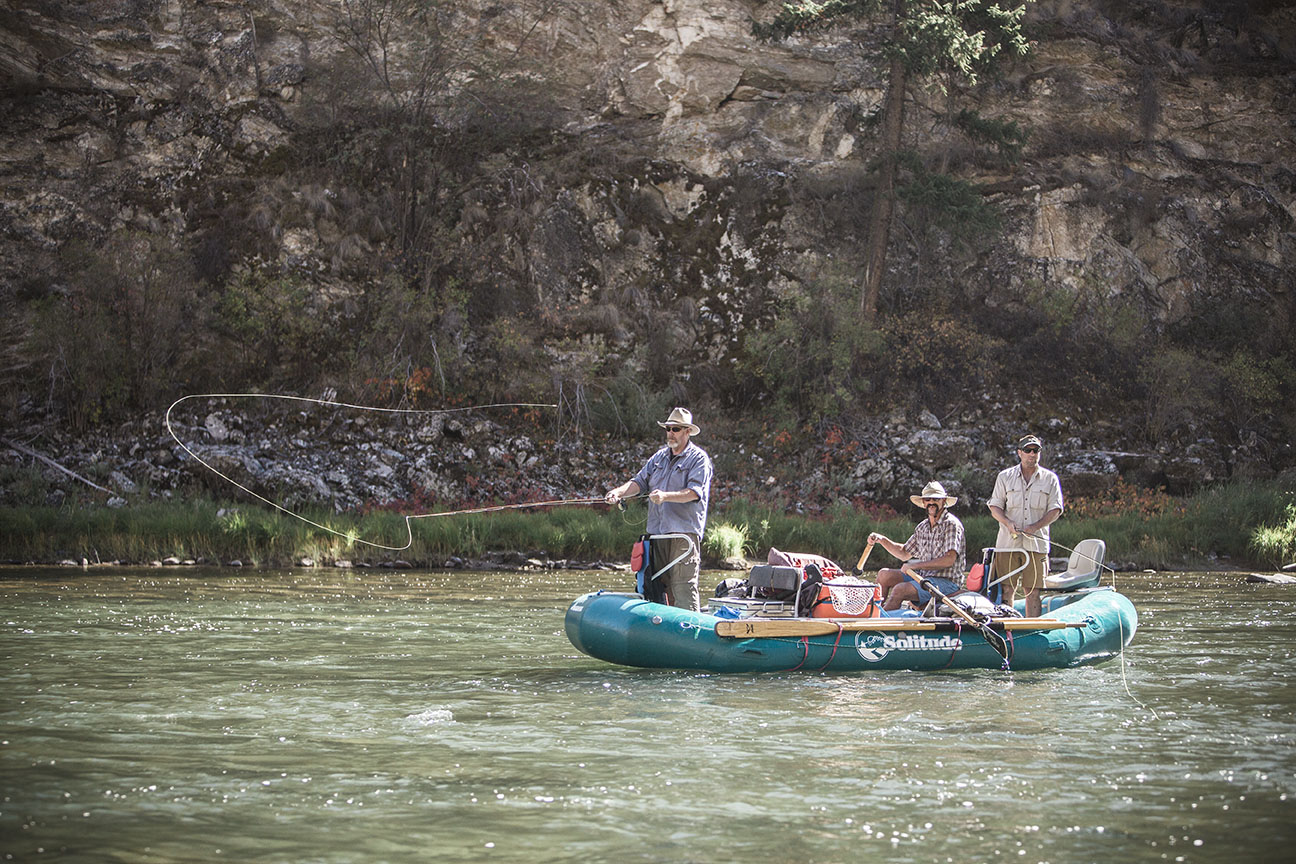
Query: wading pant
(682, 579)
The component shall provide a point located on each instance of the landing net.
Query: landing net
(851, 596)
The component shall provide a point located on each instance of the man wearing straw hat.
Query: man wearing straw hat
(678, 481)
(934, 552)
(1026, 500)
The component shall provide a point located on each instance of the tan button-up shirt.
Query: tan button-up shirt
(1025, 503)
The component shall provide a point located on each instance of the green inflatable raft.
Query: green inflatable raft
(1077, 628)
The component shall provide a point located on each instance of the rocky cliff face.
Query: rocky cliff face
(694, 178)
(112, 106)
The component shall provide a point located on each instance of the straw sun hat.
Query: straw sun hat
(933, 490)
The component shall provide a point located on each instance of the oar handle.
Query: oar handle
(993, 639)
(958, 610)
(859, 565)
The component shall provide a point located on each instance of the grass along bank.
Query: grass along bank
(1243, 524)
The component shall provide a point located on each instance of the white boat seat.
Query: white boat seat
(1084, 567)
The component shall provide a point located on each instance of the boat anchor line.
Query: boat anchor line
(351, 536)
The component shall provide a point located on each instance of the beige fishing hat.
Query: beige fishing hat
(680, 417)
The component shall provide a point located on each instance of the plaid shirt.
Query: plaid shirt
(932, 541)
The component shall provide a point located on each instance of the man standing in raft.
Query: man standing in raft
(678, 480)
(1026, 500)
(933, 552)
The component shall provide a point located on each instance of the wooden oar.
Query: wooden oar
(758, 628)
(748, 628)
(993, 639)
(859, 565)
(1036, 624)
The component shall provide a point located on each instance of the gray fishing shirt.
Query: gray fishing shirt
(670, 473)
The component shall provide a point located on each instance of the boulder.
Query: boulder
(216, 429)
(1186, 473)
(935, 450)
(1272, 578)
(1089, 474)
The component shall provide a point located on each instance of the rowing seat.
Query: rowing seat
(1084, 567)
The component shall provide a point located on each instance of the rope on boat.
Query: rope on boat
(351, 536)
(958, 631)
(805, 653)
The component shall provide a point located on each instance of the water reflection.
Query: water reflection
(362, 716)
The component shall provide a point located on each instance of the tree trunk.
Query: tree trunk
(884, 196)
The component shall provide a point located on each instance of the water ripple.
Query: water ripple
(375, 717)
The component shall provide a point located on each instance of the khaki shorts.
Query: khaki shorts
(1028, 579)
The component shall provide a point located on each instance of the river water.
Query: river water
(381, 716)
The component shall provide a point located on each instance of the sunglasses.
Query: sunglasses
(675, 428)
(1030, 449)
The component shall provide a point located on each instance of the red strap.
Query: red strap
(805, 653)
(836, 642)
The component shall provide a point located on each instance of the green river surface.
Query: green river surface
(153, 715)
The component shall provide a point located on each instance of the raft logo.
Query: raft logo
(874, 646)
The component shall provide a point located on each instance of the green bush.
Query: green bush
(1275, 544)
(278, 329)
(1006, 136)
(1097, 344)
(816, 359)
(1175, 381)
(405, 353)
(27, 486)
(946, 203)
(726, 540)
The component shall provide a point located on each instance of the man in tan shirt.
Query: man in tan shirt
(1027, 498)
